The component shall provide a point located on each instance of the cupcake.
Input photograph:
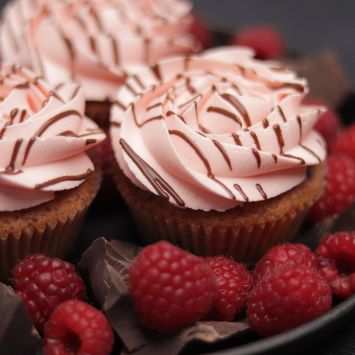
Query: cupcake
(216, 152)
(47, 181)
(95, 43)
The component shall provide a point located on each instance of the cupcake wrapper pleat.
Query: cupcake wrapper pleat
(243, 244)
(243, 233)
(55, 240)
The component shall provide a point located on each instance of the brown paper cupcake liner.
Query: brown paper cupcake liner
(245, 233)
(51, 228)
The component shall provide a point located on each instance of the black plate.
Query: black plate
(331, 334)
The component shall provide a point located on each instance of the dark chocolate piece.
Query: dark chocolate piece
(17, 334)
(204, 332)
(325, 76)
(106, 264)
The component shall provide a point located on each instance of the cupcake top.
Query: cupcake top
(216, 130)
(94, 42)
(43, 138)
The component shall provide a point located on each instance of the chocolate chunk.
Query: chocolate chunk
(325, 76)
(106, 266)
(17, 334)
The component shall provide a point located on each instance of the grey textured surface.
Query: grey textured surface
(308, 26)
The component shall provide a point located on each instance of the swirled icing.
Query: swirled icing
(43, 138)
(216, 130)
(94, 42)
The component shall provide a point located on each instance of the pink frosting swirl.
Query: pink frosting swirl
(94, 42)
(43, 138)
(215, 131)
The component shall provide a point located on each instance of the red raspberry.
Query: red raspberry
(328, 124)
(345, 142)
(336, 258)
(234, 284)
(76, 328)
(266, 41)
(170, 288)
(201, 32)
(287, 297)
(339, 192)
(281, 254)
(43, 283)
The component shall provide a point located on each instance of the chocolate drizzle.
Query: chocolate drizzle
(14, 113)
(60, 179)
(190, 101)
(131, 89)
(152, 107)
(265, 123)
(138, 81)
(189, 86)
(225, 156)
(310, 151)
(11, 166)
(162, 188)
(301, 160)
(299, 122)
(236, 139)
(203, 159)
(156, 71)
(225, 113)
(279, 137)
(241, 192)
(44, 127)
(282, 114)
(23, 115)
(295, 86)
(261, 191)
(255, 139)
(90, 141)
(120, 105)
(115, 51)
(238, 106)
(257, 156)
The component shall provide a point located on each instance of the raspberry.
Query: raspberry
(339, 192)
(281, 254)
(345, 142)
(328, 124)
(266, 41)
(233, 286)
(201, 32)
(43, 283)
(76, 328)
(336, 258)
(287, 297)
(170, 288)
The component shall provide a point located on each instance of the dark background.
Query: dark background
(306, 25)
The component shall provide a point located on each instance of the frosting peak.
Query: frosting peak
(95, 42)
(216, 130)
(43, 138)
